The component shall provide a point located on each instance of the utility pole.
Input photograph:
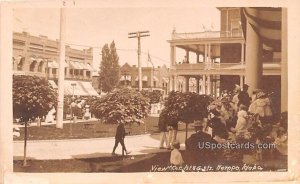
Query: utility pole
(61, 70)
(138, 35)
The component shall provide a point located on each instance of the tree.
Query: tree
(154, 96)
(185, 107)
(123, 105)
(31, 98)
(110, 68)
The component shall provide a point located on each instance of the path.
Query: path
(84, 148)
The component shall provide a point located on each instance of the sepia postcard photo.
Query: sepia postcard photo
(156, 92)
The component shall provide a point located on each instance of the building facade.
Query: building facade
(152, 78)
(225, 58)
(38, 55)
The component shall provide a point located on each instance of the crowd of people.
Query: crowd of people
(232, 118)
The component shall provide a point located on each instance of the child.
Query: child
(176, 158)
(242, 124)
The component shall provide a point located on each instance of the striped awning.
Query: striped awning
(76, 65)
(89, 67)
(53, 84)
(79, 88)
(52, 64)
(266, 22)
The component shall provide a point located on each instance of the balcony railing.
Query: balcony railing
(206, 66)
(207, 34)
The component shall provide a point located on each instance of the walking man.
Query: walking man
(119, 138)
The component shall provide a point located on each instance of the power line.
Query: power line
(124, 50)
(138, 35)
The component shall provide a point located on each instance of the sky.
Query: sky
(94, 27)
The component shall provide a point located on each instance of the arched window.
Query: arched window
(21, 64)
(32, 66)
(40, 66)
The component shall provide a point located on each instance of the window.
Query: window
(32, 66)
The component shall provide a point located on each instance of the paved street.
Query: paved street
(84, 148)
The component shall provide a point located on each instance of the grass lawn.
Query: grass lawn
(83, 130)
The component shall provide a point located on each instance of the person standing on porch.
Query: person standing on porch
(244, 96)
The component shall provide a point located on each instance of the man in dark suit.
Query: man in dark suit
(244, 96)
(119, 138)
(196, 152)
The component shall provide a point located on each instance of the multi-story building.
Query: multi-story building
(38, 55)
(152, 78)
(246, 50)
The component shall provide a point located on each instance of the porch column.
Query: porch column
(175, 83)
(209, 53)
(208, 85)
(173, 55)
(215, 87)
(241, 81)
(284, 65)
(253, 76)
(205, 53)
(242, 53)
(50, 75)
(197, 58)
(203, 84)
(171, 83)
(6, 105)
(197, 84)
(187, 84)
(187, 56)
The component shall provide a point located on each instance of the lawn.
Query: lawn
(84, 130)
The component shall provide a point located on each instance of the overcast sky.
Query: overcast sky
(97, 26)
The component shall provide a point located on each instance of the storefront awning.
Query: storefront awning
(76, 65)
(52, 83)
(79, 88)
(89, 67)
(52, 64)
(89, 88)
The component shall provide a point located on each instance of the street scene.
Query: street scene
(155, 93)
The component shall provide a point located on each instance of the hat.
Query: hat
(225, 100)
(215, 112)
(245, 86)
(176, 144)
(257, 90)
(260, 94)
(198, 124)
(237, 87)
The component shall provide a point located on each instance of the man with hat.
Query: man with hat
(194, 153)
(244, 96)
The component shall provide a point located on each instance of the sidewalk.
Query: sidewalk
(84, 148)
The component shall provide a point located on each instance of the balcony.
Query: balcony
(269, 68)
(207, 34)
